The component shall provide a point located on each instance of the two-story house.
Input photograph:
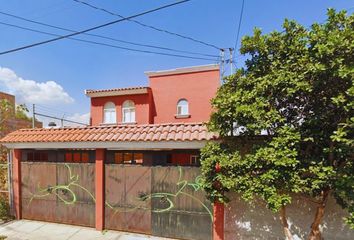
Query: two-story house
(128, 169)
(174, 99)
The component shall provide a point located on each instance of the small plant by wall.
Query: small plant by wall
(4, 210)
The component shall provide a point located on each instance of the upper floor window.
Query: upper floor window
(128, 111)
(109, 113)
(182, 107)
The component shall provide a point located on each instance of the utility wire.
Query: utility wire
(92, 28)
(106, 44)
(239, 24)
(148, 26)
(105, 37)
(62, 119)
(53, 110)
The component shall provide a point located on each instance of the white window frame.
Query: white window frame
(182, 107)
(128, 112)
(109, 113)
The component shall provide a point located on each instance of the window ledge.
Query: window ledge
(108, 124)
(182, 116)
(127, 123)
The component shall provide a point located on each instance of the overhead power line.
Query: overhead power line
(61, 119)
(105, 37)
(52, 110)
(92, 28)
(108, 45)
(148, 26)
(239, 24)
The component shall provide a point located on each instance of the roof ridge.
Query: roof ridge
(115, 89)
(113, 133)
(110, 126)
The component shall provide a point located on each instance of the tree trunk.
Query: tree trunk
(315, 233)
(284, 222)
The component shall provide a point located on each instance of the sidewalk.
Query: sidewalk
(35, 230)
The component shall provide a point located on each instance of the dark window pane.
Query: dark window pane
(30, 156)
(44, 157)
(37, 156)
(169, 159)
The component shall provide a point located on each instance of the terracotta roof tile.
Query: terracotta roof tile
(113, 89)
(133, 133)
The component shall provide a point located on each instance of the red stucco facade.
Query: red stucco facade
(197, 85)
(143, 108)
(198, 88)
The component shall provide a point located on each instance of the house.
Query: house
(135, 168)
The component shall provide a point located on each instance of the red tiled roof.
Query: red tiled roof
(113, 89)
(114, 133)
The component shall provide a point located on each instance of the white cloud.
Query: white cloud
(81, 118)
(30, 91)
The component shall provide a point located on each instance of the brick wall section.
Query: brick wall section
(9, 97)
(14, 124)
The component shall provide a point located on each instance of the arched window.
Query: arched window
(128, 111)
(109, 113)
(182, 107)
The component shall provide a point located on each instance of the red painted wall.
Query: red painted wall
(17, 183)
(159, 105)
(142, 108)
(181, 159)
(197, 87)
(100, 189)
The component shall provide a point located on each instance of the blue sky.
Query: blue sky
(76, 66)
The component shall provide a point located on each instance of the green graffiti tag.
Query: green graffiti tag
(64, 189)
(67, 190)
(168, 197)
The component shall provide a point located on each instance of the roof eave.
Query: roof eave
(202, 68)
(93, 94)
(127, 145)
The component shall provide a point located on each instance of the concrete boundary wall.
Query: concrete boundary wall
(243, 222)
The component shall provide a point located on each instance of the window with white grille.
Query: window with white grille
(128, 112)
(182, 107)
(109, 113)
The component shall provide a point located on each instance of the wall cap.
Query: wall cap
(201, 68)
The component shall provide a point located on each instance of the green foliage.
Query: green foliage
(6, 112)
(21, 112)
(269, 172)
(297, 85)
(4, 209)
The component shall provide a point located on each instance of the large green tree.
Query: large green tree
(297, 87)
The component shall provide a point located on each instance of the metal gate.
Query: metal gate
(162, 201)
(59, 192)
